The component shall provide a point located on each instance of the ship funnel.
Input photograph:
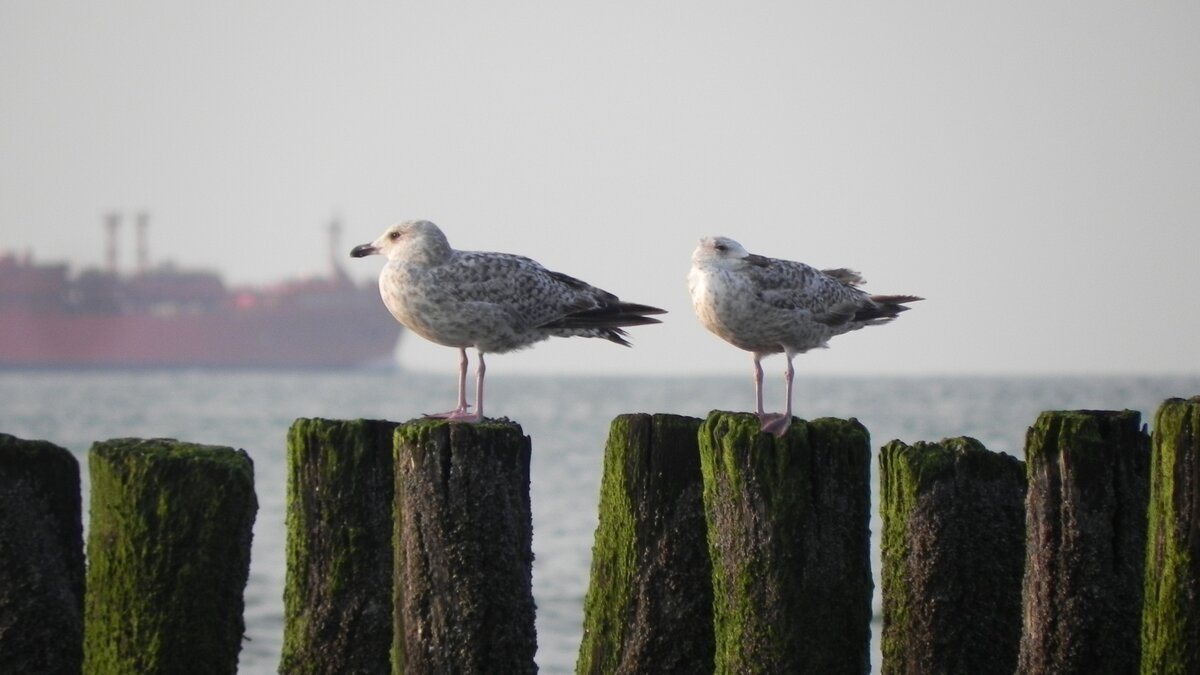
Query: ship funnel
(112, 222)
(143, 252)
(336, 272)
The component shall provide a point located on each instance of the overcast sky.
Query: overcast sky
(1032, 169)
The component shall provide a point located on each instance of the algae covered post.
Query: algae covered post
(463, 556)
(1171, 616)
(649, 605)
(1085, 542)
(789, 530)
(953, 549)
(338, 594)
(41, 558)
(168, 556)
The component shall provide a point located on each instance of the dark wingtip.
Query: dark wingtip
(885, 308)
(638, 320)
(894, 299)
(612, 316)
(634, 308)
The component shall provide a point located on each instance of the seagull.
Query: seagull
(767, 306)
(494, 302)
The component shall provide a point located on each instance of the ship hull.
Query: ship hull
(284, 337)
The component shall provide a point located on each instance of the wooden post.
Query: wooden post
(464, 557)
(1085, 542)
(649, 606)
(1171, 617)
(41, 558)
(788, 531)
(168, 556)
(338, 593)
(953, 558)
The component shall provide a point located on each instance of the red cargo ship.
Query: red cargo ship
(167, 317)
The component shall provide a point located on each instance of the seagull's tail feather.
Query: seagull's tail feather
(614, 335)
(884, 308)
(607, 321)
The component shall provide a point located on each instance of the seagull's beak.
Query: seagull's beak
(363, 250)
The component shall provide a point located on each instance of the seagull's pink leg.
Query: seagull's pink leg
(462, 380)
(777, 424)
(758, 382)
(460, 413)
(480, 369)
(791, 374)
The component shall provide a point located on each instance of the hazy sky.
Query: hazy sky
(1032, 169)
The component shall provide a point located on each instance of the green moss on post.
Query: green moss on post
(1171, 616)
(649, 606)
(953, 558)
(464, 556)
(338, 593)
(1085, 542)
(41, 558)
(788, 531)
(168, 556)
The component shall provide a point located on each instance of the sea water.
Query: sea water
(566, 417)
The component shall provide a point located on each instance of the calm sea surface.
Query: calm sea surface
(566, 417)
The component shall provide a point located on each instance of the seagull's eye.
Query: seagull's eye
(393, 235)
(721, 247)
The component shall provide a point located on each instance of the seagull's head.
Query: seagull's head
(412, 240)
(723, 252)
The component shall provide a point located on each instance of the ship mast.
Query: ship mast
(112, 222)
(143, 253)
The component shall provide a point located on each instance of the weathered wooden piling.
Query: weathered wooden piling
(1171, 614)
(649, 605)
(953, 548)
(464, 557)
(1085, 542)
(788, 531)
(168, 556)
(338, 594)
(41, 558)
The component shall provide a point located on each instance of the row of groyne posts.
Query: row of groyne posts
(718, 549)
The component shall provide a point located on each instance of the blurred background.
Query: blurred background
(1029, 169)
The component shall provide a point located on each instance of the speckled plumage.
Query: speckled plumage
(494, 302)
(770, 306)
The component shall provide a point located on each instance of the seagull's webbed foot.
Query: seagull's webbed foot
(776, 424)
(457, 415)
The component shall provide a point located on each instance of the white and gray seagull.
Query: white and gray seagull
(768, 306)
(494, 302)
